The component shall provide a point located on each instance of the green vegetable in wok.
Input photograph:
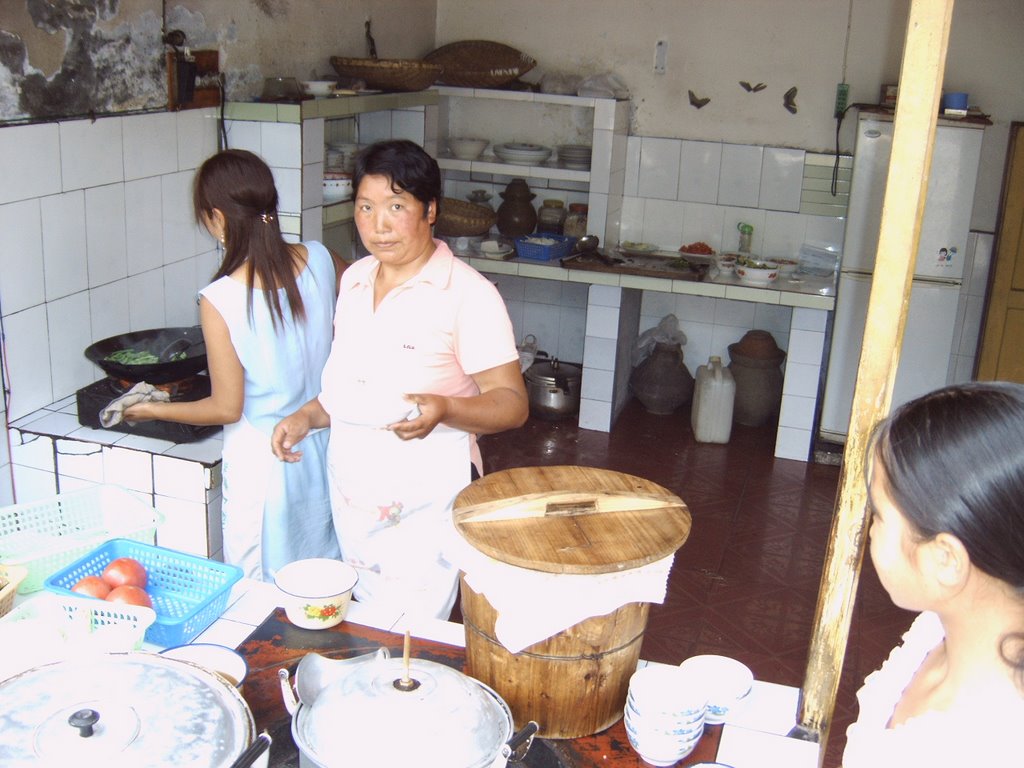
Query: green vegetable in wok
(139, 357)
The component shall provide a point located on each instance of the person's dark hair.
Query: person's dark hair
(954, 462)
(241, 186)
(406, 165)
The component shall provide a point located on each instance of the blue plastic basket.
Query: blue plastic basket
(541, 251)
(189, 593)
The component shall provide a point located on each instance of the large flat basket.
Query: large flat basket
(388, 74)
(479, 63)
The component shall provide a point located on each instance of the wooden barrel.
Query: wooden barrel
(564, 519)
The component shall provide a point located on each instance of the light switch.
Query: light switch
(660, 56)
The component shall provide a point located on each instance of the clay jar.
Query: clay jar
(516, 214)
(755, 362)
(662, 382)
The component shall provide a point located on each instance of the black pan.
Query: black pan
(158, 341)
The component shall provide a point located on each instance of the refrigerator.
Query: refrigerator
(938, 270)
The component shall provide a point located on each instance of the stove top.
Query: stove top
(95, 397)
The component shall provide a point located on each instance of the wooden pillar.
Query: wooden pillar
(920, 88)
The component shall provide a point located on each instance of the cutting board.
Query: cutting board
(568, 519)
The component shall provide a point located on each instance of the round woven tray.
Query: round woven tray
(389, 74)
(479, 63)
(463, 219)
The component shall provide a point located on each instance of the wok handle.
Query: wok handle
(260, 745)
(524, 736)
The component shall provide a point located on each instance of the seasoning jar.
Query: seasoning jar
(746, 231)
(576, 220)
(551, 217)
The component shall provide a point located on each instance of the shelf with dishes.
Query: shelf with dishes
(494, 166)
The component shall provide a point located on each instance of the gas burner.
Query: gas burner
(95, 397)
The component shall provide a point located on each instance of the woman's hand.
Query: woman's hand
(138, 412)
(291, 430)
(425, 413)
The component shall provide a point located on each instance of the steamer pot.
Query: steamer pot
(553, 388)
(115, 710)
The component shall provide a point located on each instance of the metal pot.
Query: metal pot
(185, 345)
(123, 709)
(553, 388)
(371, 710)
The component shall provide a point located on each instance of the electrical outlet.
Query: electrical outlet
(660, 56)
(842, 99)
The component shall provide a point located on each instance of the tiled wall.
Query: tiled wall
(99, 240)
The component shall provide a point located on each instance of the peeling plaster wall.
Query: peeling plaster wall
(68, 58)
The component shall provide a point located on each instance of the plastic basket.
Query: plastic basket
(11, 577)
(89, 623)
(189, 593)
(528, 248)
(48, 534)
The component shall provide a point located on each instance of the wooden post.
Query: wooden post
(917, 108)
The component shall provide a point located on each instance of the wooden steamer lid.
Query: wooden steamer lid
(568, 519)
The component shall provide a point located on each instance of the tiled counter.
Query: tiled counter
(52, 453)
(620, 306)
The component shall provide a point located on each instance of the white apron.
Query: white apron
(392, 501)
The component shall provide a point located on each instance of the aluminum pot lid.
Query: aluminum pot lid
(554, 372)
(367, 718)
(143, 710)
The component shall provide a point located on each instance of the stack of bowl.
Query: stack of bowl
(575, 156)
(517, 153)
(664, 715)
(725, 681)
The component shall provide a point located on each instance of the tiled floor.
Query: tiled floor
(745, 583)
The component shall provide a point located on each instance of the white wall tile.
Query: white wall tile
(184, 526)
(595, 414)
(143, 213)
(105, 234)
(180, 288)
(659, 303)
(179, 226)
(703, 222)
(65, 262)
(31, 156)
(663, 223)
(735, 313)
(572, 328)
(26, 355)
(374, 126)
(700, 164)
(602, 322)
(407, 124)
(70, 333)
(782, 174)
(312, 141)
(542, 320)
(600, 174)
(33, 484)
(805, 347)
(543, 291)
(632, 224)
(784, 233)
(150, 144)
(179, 479)
(801, 379)
(604, 114)
(809, 319)
(313, 187)
(731, 219)
(825, 231)
(245, 134)
(774, 318)
(75, 459)
(90, 153)
(127, 468)
(632, 182)
(109, 309)
(599, 353)
(797, 412)
(597, 384)
(289, 189)
(659, 168)
(604, 296)
(145, 300)
(740, 180)
(21, 258)
(792, 443)
(597, 217)
(34, 451)
(282, 144)
(197, 136)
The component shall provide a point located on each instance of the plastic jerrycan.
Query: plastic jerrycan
(713, 396)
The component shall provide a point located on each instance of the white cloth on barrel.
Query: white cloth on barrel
(113, 412)
(535, 605)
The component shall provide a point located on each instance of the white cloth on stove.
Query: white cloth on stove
(113, 413)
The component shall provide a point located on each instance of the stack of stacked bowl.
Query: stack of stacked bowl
(664, 716)
(575, 156)
(725, 681)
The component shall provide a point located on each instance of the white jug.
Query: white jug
(713, 397)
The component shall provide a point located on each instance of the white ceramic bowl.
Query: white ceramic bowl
(726, 262)
(758, 272)
(218, 659)
(467, 148)
(318, 87)
(337, 186)
(726, 681)
(316, 591)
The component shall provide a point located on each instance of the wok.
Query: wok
(156, 340)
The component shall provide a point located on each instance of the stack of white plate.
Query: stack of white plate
(575, 156)
(522, 154)
(341, 156)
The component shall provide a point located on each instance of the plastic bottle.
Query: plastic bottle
(746, 232)
(713, 397)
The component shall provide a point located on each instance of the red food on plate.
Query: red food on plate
(129, 595)
(699, 247)
(93, 586)
(125, 571)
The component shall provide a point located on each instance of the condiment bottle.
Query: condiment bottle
(551, 217)
(746, 231)
(576, 220)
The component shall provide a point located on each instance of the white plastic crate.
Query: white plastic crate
(47, 534)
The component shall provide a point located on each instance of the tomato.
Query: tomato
(125, 570)
(93, 586)
(129, 595)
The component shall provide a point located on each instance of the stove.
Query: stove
(95, 397)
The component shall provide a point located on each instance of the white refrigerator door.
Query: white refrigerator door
(924, 356)
(947, 217)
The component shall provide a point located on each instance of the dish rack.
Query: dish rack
(189, 593)
(530, 247)
(47, 534)
(109, 627)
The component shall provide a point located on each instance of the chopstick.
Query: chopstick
(259, 745)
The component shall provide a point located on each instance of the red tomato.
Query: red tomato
(93, 586)
(125, 570)
(129, 595)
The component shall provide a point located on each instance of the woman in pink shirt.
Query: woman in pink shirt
(423, 360)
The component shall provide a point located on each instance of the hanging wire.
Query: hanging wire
(841, 115)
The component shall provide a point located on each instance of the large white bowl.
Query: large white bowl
(467, 148)
(219, 659)
(760, 273)
(316, 591)
(726, 682)
(318, 87)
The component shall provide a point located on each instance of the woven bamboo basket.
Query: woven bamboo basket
(479, 63)
(11, 577)
(389, 74)
(463, 219)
